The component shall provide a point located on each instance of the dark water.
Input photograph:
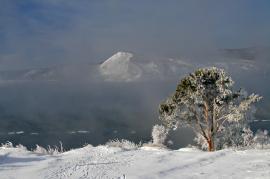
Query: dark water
(79, 113)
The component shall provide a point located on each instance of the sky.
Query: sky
(45, 33)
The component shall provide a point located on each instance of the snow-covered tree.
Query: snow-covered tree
(205, 101)
(262, 138)
(159, 134)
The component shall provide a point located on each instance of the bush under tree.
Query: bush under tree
(262, 138)
(159, 135)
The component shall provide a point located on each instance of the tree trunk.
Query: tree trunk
(211, 146)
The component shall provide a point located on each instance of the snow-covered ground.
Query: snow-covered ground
(107, 162)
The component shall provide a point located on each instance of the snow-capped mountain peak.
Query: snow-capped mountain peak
(117, 59)
(120, 67)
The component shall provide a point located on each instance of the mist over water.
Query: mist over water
(79, 113)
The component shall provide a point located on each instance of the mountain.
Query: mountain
(40, 74)
(83, 72)
(123, 67)
(120, 67)
(240, 53)
(126, 67)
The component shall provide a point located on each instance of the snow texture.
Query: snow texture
(119, 67)
(111, 162)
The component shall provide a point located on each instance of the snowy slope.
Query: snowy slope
(104, 162)
(120, 67)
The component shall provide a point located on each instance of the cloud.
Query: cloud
(53, 32)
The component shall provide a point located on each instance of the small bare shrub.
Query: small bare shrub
(123, 144)
(49, 150)
(159, 134)
(7, 145)
(262, 138)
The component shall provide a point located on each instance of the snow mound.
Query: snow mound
(120, 67)
(189, 150)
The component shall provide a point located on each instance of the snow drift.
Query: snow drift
(111, 162)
